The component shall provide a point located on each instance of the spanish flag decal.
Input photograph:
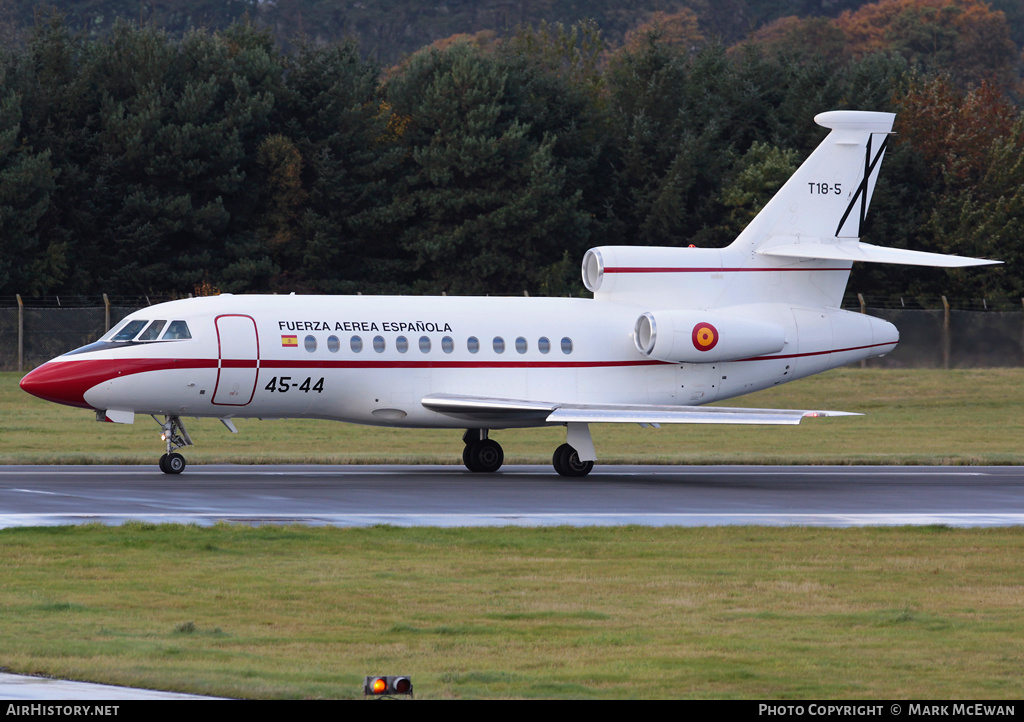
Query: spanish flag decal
(705, 336)
(290, 341)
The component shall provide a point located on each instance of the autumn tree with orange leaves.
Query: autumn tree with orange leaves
(972, 143)
(954, 130)
(964, 38)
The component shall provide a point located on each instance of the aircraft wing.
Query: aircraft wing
(484, 409)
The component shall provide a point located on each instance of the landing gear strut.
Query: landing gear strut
(176, 437)
(481, 454)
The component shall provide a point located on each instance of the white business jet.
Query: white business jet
(667, 331)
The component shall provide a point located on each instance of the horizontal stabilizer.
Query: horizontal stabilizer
(482, 409)
(854, 251)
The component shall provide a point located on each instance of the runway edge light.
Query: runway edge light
(382, 686)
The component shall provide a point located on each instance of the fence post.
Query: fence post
(945, 333)
(863, 309)
(21, 333)
(106, 314)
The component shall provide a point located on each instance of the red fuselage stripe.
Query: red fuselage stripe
(647, 269)
(66, 382)
(818, 353)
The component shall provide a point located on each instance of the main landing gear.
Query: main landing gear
(176, 437)
(566, 461)
(483, 454)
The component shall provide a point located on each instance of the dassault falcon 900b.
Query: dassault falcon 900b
(667, 331)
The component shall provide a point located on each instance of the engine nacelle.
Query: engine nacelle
(705, 336)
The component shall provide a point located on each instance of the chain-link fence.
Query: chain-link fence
(30, 335)
(953, 339)
(34, 331)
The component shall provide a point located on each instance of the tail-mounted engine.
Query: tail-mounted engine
(705, 336)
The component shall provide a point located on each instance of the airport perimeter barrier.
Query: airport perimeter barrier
(943, 338)
(31, 334)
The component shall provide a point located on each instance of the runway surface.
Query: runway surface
(36, 689)
(517, 495)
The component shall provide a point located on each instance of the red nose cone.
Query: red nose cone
(62, 383)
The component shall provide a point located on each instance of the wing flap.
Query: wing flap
(480, 409)
(652, 414)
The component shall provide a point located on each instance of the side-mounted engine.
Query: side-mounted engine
(705, 336)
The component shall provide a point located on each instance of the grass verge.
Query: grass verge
(629, 612)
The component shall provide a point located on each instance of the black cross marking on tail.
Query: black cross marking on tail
(862, 189)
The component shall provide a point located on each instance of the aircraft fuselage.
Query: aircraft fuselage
(371, 359)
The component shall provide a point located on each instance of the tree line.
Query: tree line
(148, 163)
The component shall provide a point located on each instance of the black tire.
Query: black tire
(485, 456)
(175, 464)
(467, 457)
(566, 461)
(163, 464)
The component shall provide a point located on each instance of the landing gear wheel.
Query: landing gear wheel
(484, 455)
(172, 463)
(176, 437)
(566, 461)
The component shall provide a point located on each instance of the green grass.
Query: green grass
(729, 612)
(629, 612)
(969, 416)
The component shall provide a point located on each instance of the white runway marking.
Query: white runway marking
(20, 687)
(526, 520)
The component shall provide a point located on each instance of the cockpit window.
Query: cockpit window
(177, 330)
(152, 332)
(129, 331)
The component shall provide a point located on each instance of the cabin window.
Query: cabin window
(333, 344)
(176, 331)
(402, 344)
(356, 344)
(130, 331)
(566, 345)
(498, 344)
(521, 345)
(152, 333)
(425, 344)
(310, 343)
(473, 344)
(543, 344)
(447, 345)
(378, 344)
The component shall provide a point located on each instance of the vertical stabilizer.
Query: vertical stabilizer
(797, 251)
(820, 211)
(827, 199)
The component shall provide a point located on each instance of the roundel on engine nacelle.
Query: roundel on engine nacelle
(705, 336)
(689, 336)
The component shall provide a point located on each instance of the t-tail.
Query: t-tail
(777, 289)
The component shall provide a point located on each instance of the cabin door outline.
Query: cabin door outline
(238, 360)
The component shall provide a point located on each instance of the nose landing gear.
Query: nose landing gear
(176, 437)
